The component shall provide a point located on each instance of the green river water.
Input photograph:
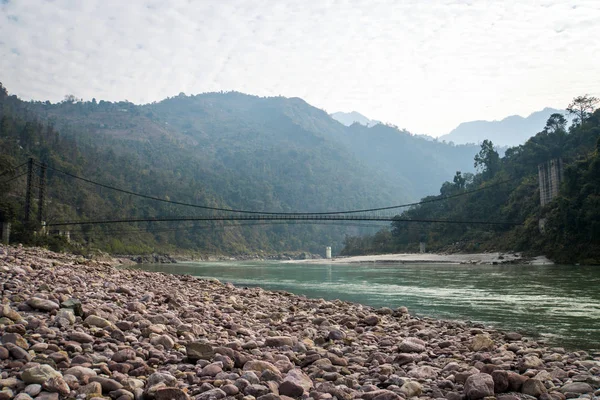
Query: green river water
(557, 304)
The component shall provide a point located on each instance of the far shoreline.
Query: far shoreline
(495, 258)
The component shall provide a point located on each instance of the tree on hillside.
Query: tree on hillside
(458, 183)
(556, 122)
(459, 180)
(582, 107)
(487, 160)
(71, 99)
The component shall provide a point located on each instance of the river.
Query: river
(557, 304)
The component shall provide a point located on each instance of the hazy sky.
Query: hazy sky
(424, 65)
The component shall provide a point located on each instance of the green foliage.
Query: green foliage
(380, 242)
(459, 180)
(487, 160)
(581, 107)
(218, 149)
(572, 220)
(556, 122)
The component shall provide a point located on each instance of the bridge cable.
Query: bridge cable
(278, 213)
(13, 178)
(242, 224)
(13, 169)
(282, 218)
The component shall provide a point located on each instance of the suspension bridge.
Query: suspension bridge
(35, 173)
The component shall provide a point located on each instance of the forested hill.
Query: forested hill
(219, 149)
(409, 166)
(507, 190)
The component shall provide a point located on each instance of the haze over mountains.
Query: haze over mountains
(510, 131)
(353, 117)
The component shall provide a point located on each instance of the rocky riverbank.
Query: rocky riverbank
(152, 259)
(76, 328)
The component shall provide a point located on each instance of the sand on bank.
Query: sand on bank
(426, 258)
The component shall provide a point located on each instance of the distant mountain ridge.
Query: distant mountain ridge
(510, 131)
(353, 117)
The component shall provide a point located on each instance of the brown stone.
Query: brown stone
(500, 378)
(479, 386)
(170, 394)
(533, 387)
(108, 385)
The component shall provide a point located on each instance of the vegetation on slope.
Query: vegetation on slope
(572, 220)
(235, 132)
(224, 150)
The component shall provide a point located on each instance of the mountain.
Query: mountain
(506, 194)
(510, 131)
(352, 118)
(226, 130)
(225, 150)
(417, 163)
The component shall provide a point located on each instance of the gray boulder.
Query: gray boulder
(479, 386)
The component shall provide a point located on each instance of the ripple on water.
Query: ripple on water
(554, 301)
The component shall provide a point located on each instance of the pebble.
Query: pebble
(33, 389)
(47, 396)
(199, 351)
(482, 342)
(213, 394)
(80, 328)
(42, 304)
(479, 386)
(577, 387)
(94, 320)
(412, 345)
(170, 394)
(39, 374)
(6, 394)
(107, 384)
(81, 337)
(279, 341)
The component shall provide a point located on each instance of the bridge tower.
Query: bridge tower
(28, 191)
(550, 176)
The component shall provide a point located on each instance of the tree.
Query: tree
(459, 180)
(69, 98)
(447, 189)
(487, 160)
(382, 241)
(556, 122)
(582, 107)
